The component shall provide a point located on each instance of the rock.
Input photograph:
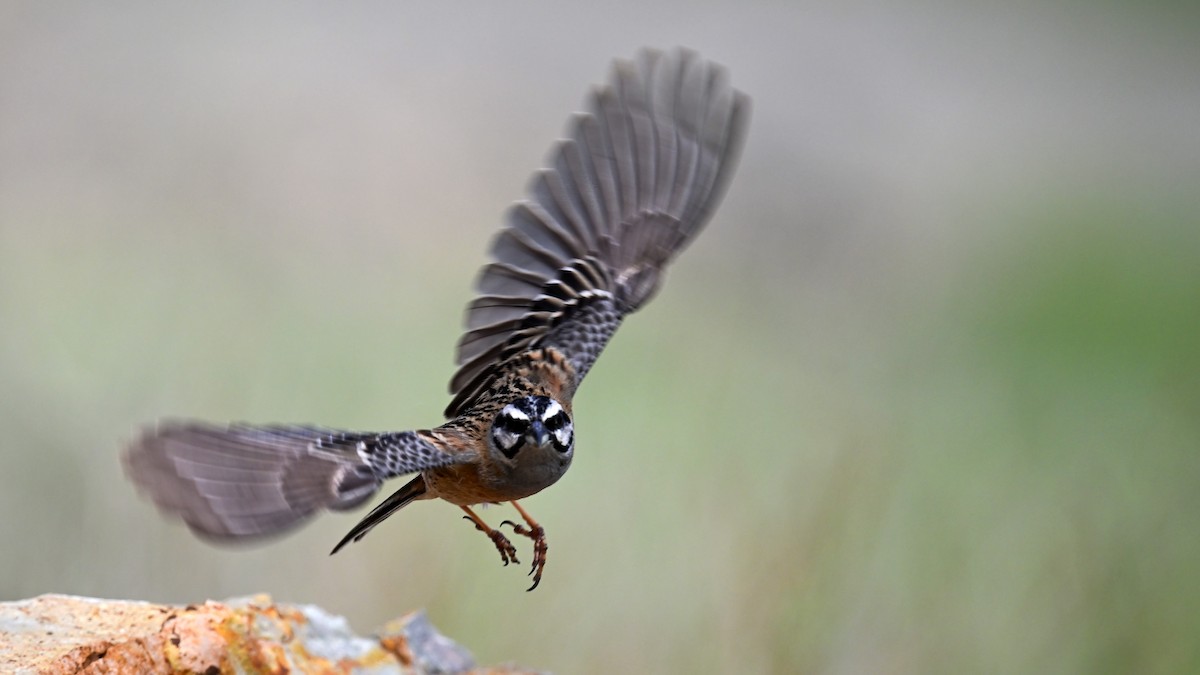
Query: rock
(59, 634)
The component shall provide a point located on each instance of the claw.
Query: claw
(508, 552)
(538, 535)
(539, 554)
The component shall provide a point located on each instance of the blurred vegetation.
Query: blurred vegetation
(925, 398)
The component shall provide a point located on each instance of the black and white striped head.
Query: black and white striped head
(533, 422)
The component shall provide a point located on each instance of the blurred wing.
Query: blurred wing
(637, 178)
(242, 481)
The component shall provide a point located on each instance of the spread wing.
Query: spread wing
(633, 183)
(243, 481)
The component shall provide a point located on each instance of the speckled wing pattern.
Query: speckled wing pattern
(635, 180)
(242, 481)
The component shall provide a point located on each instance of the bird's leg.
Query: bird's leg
(508, 552)
(538, 534)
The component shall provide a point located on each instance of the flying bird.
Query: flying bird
(633, 183)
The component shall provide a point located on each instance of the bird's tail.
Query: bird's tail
(244, 482)
(412, 490)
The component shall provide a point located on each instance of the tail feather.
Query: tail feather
(413, 490)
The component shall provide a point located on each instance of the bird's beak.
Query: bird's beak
(538, 431)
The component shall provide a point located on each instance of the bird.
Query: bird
(637, 176)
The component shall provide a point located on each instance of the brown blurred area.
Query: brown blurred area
(923, 398)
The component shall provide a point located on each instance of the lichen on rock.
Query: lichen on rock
(60, 634)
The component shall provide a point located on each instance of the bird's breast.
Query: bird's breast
(467, 484)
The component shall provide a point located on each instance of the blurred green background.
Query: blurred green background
(924, 398)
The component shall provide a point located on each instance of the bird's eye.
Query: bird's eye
(512, 424)
(557, 420)
(563, 438)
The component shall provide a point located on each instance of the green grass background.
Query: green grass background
(924, 398)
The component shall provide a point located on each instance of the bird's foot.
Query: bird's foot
(538, 534)
(508, 552)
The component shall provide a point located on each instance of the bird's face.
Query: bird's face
(535, 425)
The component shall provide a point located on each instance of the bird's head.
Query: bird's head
(533, 422)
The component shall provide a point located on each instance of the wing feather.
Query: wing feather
(504, 279)
(243, 482)
(635, 180)
(562, 202)
(596, 147)
(575, 168)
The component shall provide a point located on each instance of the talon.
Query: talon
(538, 534)
(520, 529)
(508, 552)
(539, 555)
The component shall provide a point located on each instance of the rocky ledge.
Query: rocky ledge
(58, 634)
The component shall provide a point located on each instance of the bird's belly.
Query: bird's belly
(462, 484)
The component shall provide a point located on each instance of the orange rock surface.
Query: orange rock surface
(58, 634)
